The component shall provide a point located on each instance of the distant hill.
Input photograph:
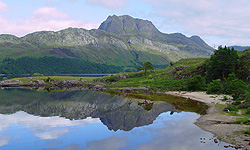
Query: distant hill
(240, 48)
(120, 40)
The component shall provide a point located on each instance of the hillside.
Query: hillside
(171, 78)
(120, 40)
(240, 48)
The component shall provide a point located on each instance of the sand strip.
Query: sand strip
(215, 121)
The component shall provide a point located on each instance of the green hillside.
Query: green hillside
(120, 40)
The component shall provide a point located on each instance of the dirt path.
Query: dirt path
(215, 121)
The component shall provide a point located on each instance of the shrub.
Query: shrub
(231, 107)
(196, 83)
(248, 110)
(37, 75)
(235, 87)
(5, 78)
(214, 87)
(112, 78)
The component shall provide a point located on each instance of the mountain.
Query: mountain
(239, 48)
(120, 40)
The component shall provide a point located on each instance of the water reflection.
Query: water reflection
(89, 120)
(115, 112)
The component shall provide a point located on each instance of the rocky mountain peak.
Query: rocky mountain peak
(127, 25)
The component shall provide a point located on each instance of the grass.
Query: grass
(243, 120)
(220, 105)
(59, 78)
(170, 78)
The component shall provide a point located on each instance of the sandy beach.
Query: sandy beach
(217, 122)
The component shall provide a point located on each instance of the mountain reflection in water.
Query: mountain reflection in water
(115, 112)
(91, 120)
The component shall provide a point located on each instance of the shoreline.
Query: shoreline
(215, 121)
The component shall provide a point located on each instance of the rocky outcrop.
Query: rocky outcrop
(42, 83)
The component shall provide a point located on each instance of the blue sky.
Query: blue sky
(218, 22)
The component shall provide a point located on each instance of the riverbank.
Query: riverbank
(217, 122)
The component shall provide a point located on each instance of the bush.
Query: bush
(231, 107)
(196, 83)
(214, 87)
(244, 105)
(248, 110)
(37, 75)
(112, 78)
(5, 78)
(236, 87)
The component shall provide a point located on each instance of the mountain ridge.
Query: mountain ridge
(120, 40)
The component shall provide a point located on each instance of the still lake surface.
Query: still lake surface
(76, 120)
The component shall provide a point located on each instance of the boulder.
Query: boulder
(98, 87)
(73, 82)
(40, 82)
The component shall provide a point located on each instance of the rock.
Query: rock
(40, 82)
(122, 76)
(73, 82)
(98, 87)
(216, 141)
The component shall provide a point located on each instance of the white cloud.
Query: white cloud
(49, 12)
(110, 4)
(45, 18)
(3, 6)
(226, 19)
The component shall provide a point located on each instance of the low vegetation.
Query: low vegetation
(226, 72)
(58, 78)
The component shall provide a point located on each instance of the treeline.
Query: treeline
(228, 73)
(54, 65)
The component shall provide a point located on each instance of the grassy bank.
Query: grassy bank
(58, 78)
(171, 78)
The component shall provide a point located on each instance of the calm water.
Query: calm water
(75, 120)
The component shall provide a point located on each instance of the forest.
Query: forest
(54, 65)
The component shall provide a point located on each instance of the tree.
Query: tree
(146, 66)
(244, 66)
(196, 83)
(223, 62)
(233, 85)
(214, 87)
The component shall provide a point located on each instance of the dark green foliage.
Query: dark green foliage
(244, 66)
(214, 87)
(171, 64)
(196, 83)
(223, 62)
(233, 85)
(54, 65)
(112, 78)
(248, 110)
(139, 68)
(146, 66)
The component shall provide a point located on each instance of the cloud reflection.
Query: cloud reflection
(4, 140)
(112, 143)
(179, 133)
(43, 127)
